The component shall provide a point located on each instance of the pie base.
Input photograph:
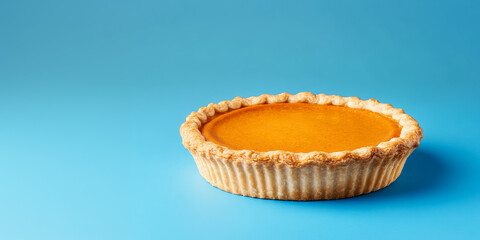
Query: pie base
(306, 183)
(301, 176)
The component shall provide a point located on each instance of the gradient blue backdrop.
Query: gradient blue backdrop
(92, 95)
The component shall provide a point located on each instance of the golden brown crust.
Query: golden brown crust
(193, 140)
(305, 183)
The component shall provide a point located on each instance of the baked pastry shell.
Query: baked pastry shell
(300, 176)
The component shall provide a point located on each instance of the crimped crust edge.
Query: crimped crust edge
(410, 136)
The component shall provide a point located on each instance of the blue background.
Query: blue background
(92, 95)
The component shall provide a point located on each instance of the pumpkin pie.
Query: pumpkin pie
(300, 147)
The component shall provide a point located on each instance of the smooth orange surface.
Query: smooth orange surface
(300, 127)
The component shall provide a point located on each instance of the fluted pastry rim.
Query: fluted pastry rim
(192, 138)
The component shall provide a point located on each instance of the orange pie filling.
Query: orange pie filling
(300, 128)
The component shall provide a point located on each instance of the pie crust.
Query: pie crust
(300, 176)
